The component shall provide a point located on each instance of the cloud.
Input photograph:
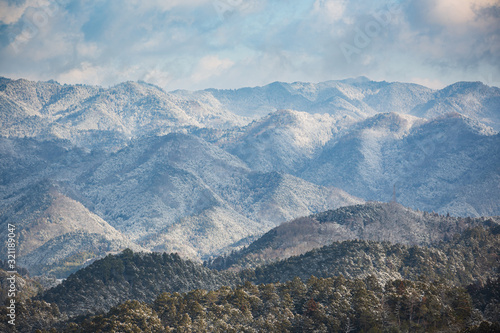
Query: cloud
(431, 83)
(210, 66)
(455, 14)
(194, 44)
(456, 35)
(86, 72)
(11, 11)
(163, 5)
(332, 10)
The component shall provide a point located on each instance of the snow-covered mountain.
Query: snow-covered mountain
(207, 171)
(360, 98)
(448, 164)
(332, 97)
(285, 139)
(472, 99)
(95, 117)
(171, 193)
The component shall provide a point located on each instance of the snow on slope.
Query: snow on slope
(438, 165)
(283, 140)
(472, 99)
(95, 117)
(334, 133)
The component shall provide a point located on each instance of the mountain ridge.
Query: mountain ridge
(174, 185)
(372, 221)
(144, 160)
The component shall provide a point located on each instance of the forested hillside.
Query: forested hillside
(372, 221)
(316, 305)
(473, 256)
(468, 258)
(353, 285)
(139, 276)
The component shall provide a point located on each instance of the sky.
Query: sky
(198, 44)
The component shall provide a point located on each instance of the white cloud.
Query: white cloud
(187, 44)
(158, 77)
(85, 73)
(332, 10)
(210, 66)
(12, 12)
(430, 83)
(455, 14)
(167, 5)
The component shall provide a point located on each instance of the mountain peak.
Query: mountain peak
(392, 121)
(466, 123)
(476, 88)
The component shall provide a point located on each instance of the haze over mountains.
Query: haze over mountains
(203, 172)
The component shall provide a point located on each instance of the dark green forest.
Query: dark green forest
(348, 286)
(316, 305)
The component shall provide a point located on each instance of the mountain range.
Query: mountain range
(87, 170)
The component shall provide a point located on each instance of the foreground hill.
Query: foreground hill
(315, 305)
(470, 257)
(379, 222)
(318, 304)
(140, 276)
